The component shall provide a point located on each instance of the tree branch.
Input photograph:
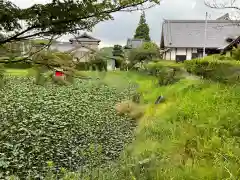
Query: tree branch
(216, 5)
(18, 37)
(30, 54)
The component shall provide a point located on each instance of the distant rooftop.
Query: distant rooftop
(85, 38)
(134, 43)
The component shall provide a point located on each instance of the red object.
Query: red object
(58, 73)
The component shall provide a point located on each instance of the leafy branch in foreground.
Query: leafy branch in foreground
(231, 4)
(60, 17)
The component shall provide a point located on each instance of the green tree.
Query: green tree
(59, 17)
(117, 50)
(151, 46)
(145, 53)
(142, 31)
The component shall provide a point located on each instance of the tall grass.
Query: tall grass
(193, 135)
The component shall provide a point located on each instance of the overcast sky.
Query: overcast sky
(124, 24)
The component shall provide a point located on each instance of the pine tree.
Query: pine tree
(142, 31)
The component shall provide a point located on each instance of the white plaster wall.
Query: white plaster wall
(171, 54)
(181, 51)
(81, 53)
(167, 55)
(189, 54)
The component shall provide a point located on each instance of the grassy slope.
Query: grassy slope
(193, 135)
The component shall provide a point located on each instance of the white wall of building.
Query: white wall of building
(171, 54)
(110, 65)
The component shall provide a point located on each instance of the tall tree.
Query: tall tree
(142, 31)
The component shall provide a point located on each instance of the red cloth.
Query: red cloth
(58, 73)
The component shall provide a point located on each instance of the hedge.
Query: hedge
(18, 65)
(86, 66)
(224, 71)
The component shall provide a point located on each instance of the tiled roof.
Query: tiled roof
(134, 43)
(224, 17)
(85, 38)
(190, 33)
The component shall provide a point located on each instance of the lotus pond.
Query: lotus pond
(72, 126)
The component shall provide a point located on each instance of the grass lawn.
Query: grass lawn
(18, 72)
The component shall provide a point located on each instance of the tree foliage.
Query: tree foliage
(98, 60)
(150, 46)
(118, 55)
(117, 51)
(48, 60)
(59, 17)
(142, 31)
(226, 5)
(145, 53)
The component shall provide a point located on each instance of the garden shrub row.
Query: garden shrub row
(224, 71)
(86, 66)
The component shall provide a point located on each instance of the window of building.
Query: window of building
(194, 55)
(181, 58)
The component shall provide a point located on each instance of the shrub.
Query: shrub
(217, 57)
(151, 46)
(141, 55)
(98, 61)
(166, 73)
(83, 66)
(217, 70)
(119, 61)
(75, 127)
(236, 54)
